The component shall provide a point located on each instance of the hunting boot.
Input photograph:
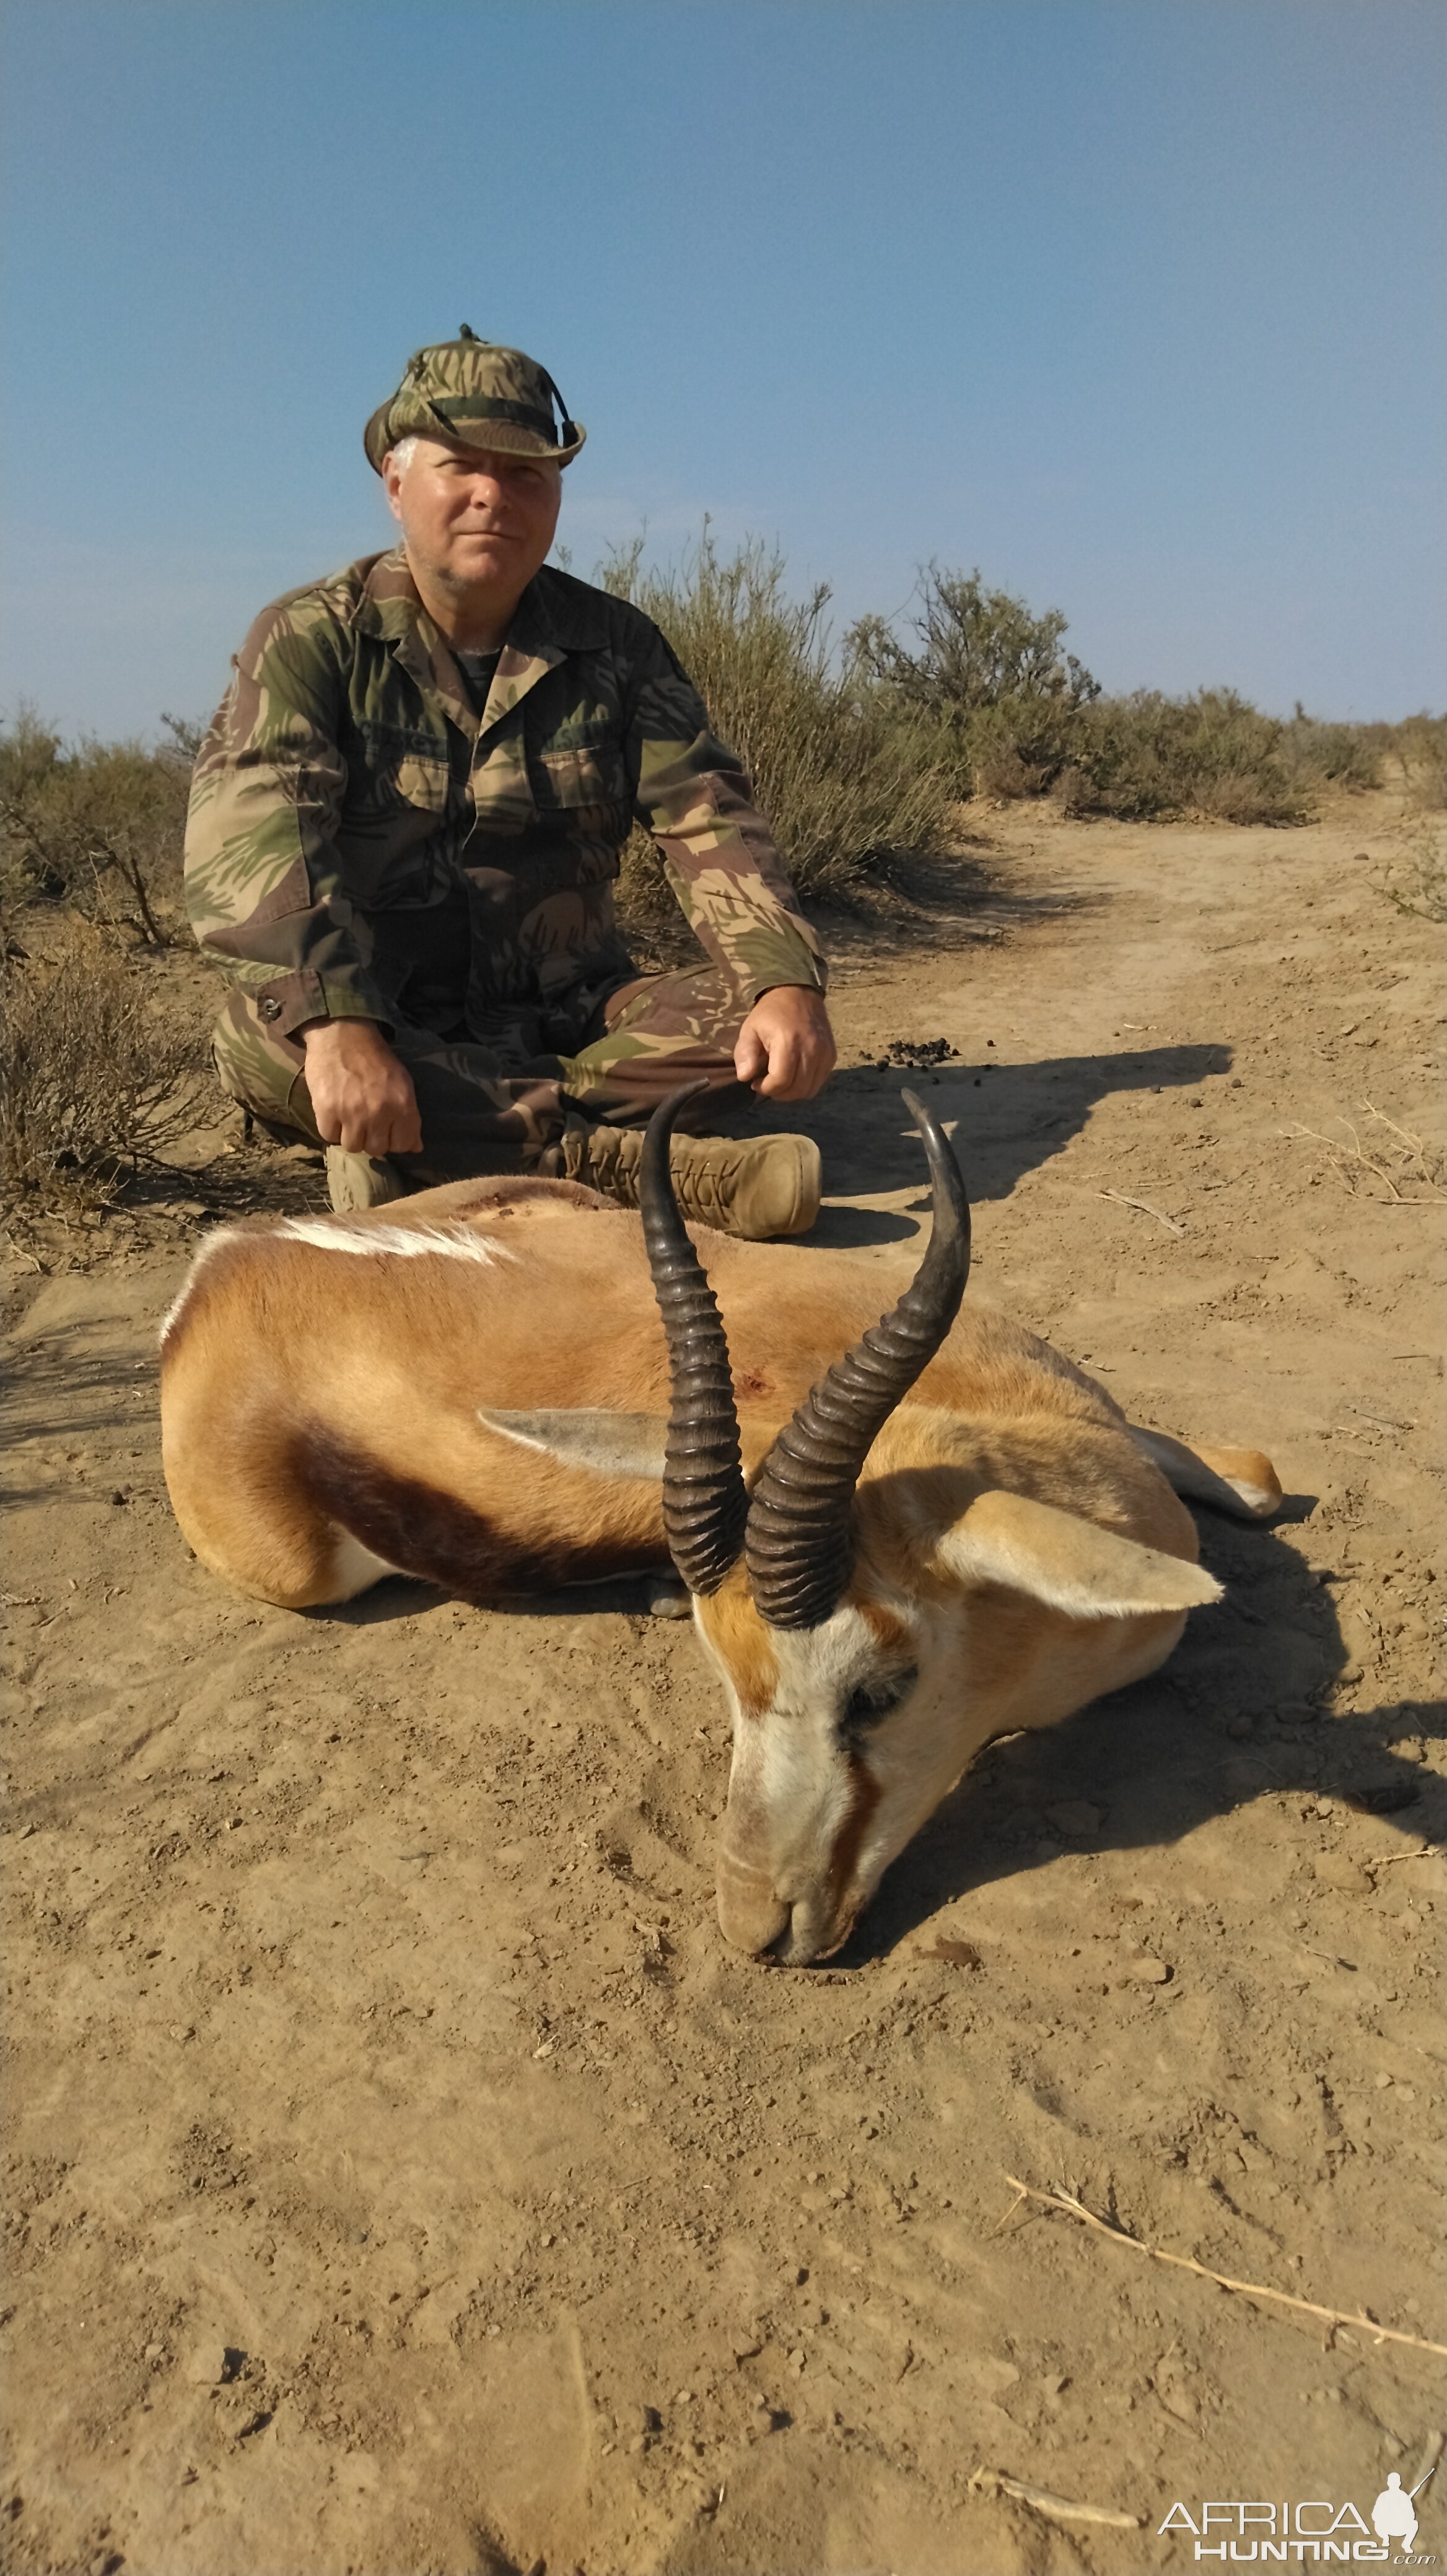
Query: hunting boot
(768, 1186)
(356, 1181)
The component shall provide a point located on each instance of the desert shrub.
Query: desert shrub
(1320, 755)
(986, 674)
(1419, 745)
(844, 784)
(1211, 754)
(1412, 873)
(94, 1077)
(99, 827)
(1016, 715)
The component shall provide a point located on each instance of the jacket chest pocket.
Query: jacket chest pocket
(588, 777)
(392, 773)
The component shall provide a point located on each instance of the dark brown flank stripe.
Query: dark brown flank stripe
(434, 1537)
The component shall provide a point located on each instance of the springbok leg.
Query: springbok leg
(1238, 1481)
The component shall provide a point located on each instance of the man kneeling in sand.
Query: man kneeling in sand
(405, 826)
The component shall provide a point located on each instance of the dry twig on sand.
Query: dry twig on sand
(1145, 1207)
(1414, 877)
(1333, 2317)
(1413, 1159)
(1059, 2508)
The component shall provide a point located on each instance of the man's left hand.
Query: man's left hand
(786, 1047)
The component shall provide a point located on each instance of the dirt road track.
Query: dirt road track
(403, 2177)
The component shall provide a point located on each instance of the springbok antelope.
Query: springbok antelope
(956, 1534)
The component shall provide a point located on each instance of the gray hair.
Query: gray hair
(404, 451)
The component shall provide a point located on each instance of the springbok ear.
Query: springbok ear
(608, 1444)
(1066, 1562)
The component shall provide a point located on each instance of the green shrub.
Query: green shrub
(99, 827)
(986, 674)
(1016, 715)
(845, 785)
(1212, 754)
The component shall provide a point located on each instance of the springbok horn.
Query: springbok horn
(797, 1542)
(704, 1498)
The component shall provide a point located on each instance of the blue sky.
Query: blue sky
(1134, 304)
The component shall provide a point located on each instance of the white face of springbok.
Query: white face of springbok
(1010, 1613)
(871, 1635)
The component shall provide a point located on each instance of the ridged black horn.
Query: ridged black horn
(704, 1496)
(797, 1541)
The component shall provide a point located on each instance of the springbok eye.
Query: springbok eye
(871, 1700)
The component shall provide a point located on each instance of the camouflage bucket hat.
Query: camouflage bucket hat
(480, 395)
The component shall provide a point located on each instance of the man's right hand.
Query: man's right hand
(361, 1093)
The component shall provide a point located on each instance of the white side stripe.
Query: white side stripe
(344, 1234)
(399, 1242)
(221, 1234)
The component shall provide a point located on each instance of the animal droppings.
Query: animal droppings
(918, 1052)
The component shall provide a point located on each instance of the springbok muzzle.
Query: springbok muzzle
(751, 1915)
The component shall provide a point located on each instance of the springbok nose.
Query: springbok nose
(751, 1917)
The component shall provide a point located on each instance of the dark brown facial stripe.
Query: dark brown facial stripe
(864, 1796)
(430, 1534)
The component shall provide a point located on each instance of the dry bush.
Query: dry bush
(1212, 754)
(1394, 1162)
(845, 786)
(1413, 877)
(99, 828)
(95, 1077)
(1420, 745)
(986, 676)
(1016, 715)
(1320, 755)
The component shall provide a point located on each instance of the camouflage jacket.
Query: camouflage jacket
(347, 778)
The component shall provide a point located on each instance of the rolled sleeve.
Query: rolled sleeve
(696, 800)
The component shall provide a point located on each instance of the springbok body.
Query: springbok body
(958, 1534)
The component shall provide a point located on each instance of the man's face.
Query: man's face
(475, 519)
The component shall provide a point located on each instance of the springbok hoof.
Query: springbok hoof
(664, 1597)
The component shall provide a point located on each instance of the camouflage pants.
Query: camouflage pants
(497, 1102)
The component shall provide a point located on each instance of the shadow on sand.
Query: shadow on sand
(1238, 1712)
(1006, 1120)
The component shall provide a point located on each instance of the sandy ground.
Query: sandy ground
(404, 2177)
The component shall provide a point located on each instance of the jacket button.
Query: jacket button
(270, 1009)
